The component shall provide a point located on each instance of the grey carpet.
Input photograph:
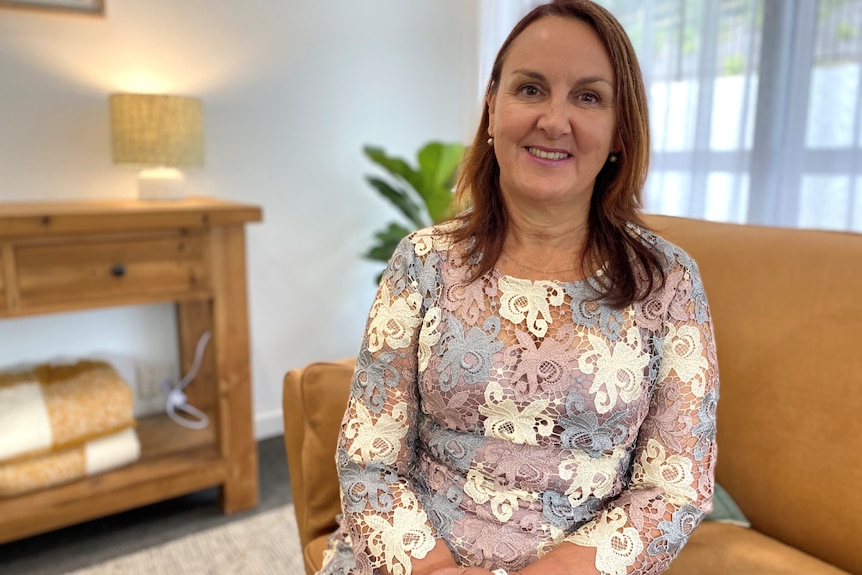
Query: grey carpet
(94, 542)
(259, 545)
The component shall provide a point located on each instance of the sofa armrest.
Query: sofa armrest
(313, 402)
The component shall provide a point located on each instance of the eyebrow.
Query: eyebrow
(582, 81)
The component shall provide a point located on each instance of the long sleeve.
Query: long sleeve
(672, 470)
(387, 523)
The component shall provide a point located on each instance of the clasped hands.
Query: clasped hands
(463, 571)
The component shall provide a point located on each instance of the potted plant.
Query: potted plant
(422, 193)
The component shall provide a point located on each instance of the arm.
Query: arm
(670, 490)
(383, 513)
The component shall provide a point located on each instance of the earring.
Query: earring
(613, 158)
(490, 141)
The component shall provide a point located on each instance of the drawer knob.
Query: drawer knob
(118, 270)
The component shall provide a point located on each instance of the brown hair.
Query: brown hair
(632, 268)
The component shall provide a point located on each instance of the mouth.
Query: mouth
(548, 155)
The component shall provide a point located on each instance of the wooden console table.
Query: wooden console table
(58, 257)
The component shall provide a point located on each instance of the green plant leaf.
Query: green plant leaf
(438, 164)
(387, 241)
(401, 200)
(395, 166)
(420, 195)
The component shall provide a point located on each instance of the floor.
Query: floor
(89, 543)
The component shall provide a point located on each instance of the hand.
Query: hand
(461, 571)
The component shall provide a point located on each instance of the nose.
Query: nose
(554, 117)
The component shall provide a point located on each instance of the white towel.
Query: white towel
(56, 407)
(51, 469)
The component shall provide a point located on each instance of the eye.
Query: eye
(589, 98)
(529, 90)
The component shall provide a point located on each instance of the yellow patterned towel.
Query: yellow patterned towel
(56, 407)
(95, 456)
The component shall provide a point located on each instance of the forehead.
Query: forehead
(558, 45)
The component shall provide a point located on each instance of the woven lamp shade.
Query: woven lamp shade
(157, 130)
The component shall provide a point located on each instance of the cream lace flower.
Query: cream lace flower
(429, 335)
(429, 239)
(408, 535)
(393, 322)
(503, 503)
(555, 537)
(505, 421)
(683, 353)
(673, 473)
(617, 546)
(376, 437)
(524, 299)
(590, 475)
(618, 369)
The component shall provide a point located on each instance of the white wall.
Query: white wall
(291, 91)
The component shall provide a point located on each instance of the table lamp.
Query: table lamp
(159, 133)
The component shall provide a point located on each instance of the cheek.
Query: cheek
(514, 122)
(601, 136)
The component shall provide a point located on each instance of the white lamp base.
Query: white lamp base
(161, 184)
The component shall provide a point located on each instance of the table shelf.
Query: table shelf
(57, 257)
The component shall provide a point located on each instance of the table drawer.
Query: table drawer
(3, 302)
(111, 270)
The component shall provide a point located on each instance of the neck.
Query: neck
(542, 245)
(549, 230)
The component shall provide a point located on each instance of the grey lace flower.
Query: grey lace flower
(396, 274)
(468, 356)
(656, 347)
(427, 272)
(366, 485)
(343, 561)
(705, 429)
(582, 431)
(591, 313)
(675, 532)
(444, 509)
(558, 511)
(698, 295)
(372, 376)
(456, 447)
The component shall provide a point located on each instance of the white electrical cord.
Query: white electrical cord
(178, 401)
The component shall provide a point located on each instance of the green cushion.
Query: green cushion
(725, 509)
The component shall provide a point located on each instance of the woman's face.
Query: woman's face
(552, 115)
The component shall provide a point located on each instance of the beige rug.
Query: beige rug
(264, 543)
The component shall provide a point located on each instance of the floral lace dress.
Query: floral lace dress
(506, 416)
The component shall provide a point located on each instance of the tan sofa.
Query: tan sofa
(787, 307)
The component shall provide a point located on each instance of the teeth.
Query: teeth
(548, 155)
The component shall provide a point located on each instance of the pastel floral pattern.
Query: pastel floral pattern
(617, 545)
(393, 321)
(407, 535)
(618, 369)
(506, 420)
(506, 416)
(529, 302)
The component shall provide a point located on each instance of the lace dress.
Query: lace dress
(506, 416)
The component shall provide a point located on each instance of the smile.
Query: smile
(548, 155)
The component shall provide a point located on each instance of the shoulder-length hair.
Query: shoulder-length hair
(631, 268)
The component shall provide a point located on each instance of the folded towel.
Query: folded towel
(51, 469)
(56, 407)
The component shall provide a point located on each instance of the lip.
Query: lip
(547, 150)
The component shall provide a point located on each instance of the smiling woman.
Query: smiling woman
(553, 124)
(81, 6)
(533, 391)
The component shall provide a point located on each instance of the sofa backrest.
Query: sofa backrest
(314, 400)
(787, 311)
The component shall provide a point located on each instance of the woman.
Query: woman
(536, 387)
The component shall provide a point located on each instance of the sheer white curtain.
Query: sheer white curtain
(755, 105)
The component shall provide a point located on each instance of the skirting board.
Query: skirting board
(268, 424)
